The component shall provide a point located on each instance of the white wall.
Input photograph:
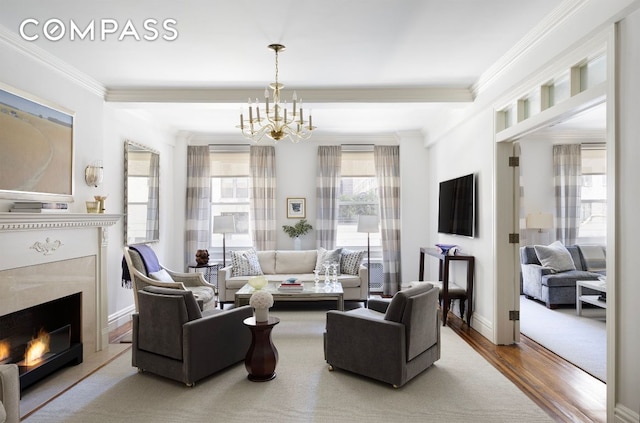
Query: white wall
(468, 148)
(120, 126)
(536, 164)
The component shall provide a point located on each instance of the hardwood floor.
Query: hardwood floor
(561, 389)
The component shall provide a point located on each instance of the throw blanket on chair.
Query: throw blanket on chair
(149, 259)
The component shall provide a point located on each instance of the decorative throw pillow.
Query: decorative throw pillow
(327, 256)
(350, 261)
(161, 275)
(555, 256)
(245, 263)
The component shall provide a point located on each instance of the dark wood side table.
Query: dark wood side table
(262, 356)
(443, 275)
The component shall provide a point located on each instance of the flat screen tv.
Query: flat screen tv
(456, 206)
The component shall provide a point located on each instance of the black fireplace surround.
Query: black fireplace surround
(61, 319)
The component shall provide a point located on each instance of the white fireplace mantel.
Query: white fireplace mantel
(39, 221)
(31, 239)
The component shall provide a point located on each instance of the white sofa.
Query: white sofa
(279, 265)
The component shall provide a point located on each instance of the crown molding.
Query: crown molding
(552, 21)
(319, 95)
(38, 54)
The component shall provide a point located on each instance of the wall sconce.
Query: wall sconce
(93, 174)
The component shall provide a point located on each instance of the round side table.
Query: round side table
(262, 356)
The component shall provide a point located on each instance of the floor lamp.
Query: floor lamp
(224, 225)
(368, 224)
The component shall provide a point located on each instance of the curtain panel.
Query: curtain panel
(327, 191)
(387, 162)
(262, 177)
(567, 172)
(198, 208)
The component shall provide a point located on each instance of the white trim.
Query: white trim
(549, 24)
(61, 67)
(120, 318)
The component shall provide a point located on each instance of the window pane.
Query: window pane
(358, 196)
(136, 223)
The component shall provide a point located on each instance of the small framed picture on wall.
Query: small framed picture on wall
(296, 208)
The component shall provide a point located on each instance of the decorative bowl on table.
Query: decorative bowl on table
(258, 282)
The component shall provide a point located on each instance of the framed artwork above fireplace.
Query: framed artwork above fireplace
(36, 148)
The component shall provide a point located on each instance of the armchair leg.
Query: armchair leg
(331, 368)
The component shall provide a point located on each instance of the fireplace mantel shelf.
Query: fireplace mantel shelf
(10, 221)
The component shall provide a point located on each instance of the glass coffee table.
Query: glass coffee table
(310, 292)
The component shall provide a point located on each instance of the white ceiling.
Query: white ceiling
(350, 50)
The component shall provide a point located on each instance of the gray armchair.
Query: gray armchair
(174, 339)
(9, 394)
(392, 342)
(194, 282)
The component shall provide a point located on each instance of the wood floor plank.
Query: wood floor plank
(561, 389)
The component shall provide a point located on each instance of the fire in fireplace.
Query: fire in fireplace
(43, 338)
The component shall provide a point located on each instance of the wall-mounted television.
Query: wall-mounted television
(457, 206)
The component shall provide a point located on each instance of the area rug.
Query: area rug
(581, 340)
(460, 387)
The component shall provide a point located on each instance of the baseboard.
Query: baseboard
(623, 414)
(483, 326)
(120, 318)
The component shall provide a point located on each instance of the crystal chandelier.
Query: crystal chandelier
(277, 122)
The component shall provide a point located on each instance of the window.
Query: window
(230, 192)
(593, 196)
(358, 196)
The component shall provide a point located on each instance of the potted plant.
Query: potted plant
(297, 230)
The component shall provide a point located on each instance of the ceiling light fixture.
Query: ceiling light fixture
(279, 122)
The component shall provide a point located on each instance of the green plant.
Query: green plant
(300, 228)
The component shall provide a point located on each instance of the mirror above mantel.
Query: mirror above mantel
(141, 193)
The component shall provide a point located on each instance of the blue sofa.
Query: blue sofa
(559, 288)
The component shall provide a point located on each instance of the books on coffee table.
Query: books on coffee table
(291, 284)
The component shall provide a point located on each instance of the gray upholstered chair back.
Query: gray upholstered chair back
(412, 307)
(163, 312)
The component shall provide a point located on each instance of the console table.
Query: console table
(443, 276)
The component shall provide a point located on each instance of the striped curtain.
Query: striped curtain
(153, 218)
(262, 177)
(198, 210)
(566, 175)
(327, 191)
(387, 162)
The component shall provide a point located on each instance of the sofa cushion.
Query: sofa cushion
(245, 263)
(555, 256)
(350, 261)
(568, 278)
(327, 256)
(267, 261)
(295, 262)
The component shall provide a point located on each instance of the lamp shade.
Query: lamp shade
(368, 224)
(224, 224)
(539, 220)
